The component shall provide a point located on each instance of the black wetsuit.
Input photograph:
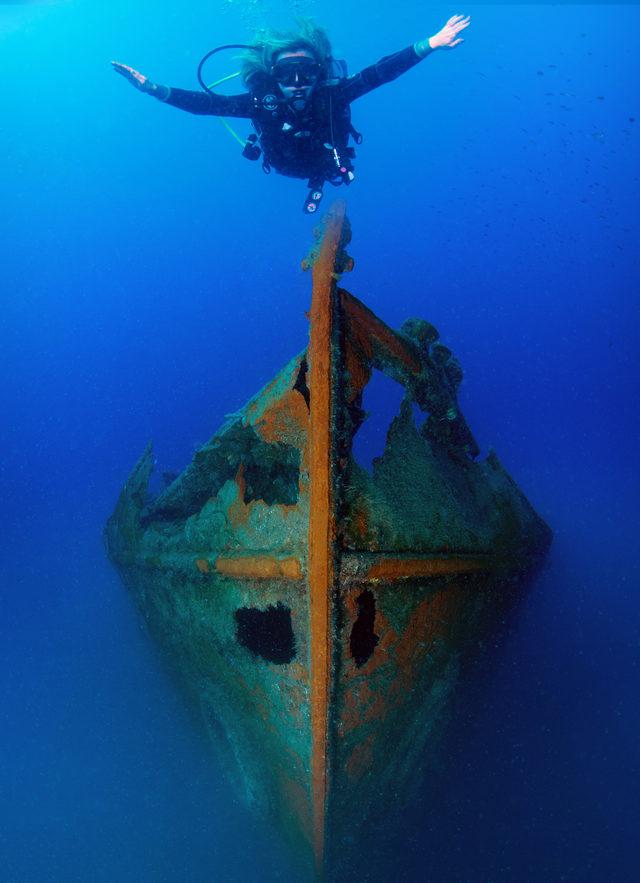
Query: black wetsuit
(312, 143)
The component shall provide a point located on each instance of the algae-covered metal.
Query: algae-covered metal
(317, 613)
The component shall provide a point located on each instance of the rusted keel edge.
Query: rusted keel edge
(321, 516)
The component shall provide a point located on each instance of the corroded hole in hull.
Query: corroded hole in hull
(301, 382)
(267, 633)
(373, 414)
(381, 403)
(363, 640)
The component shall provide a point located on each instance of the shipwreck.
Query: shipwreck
(315, 612)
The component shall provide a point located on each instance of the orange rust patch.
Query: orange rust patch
(362, 703)
(362, 706)
(388, 635)
(350, 603)
(298, 800)
(430, 623)
(295, 697)
(386, 638)
(297, 671)
(403, 568)
(202, 564)
(359, 520)
(414, 643)
(266, 392)
(444, 611)
(287, 420)
(400, 655)
(361, 758)
(365, 328)
(238, 511)
(368, 701)
(350, 717)
(260, 567)
(358, 370)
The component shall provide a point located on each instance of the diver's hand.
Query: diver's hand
(447, 38)
(134, 77)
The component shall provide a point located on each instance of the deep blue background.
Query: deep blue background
(150, 284)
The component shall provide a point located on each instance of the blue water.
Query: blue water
(150, 284)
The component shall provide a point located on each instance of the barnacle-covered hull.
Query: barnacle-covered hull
(317, 613)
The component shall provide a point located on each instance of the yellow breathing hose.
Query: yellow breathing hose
(222, 122)
(224, 80)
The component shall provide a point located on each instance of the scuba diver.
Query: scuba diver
(299, 99)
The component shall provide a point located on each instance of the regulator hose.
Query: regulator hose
(206, 58)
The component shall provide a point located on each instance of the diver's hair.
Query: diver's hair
(268, 44)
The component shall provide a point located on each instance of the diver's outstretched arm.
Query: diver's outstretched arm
(141, 82)
(392, 66)
(184, 99)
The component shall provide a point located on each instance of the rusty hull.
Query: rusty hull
(317, 615)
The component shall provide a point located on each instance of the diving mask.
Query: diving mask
(296, 71)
